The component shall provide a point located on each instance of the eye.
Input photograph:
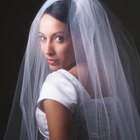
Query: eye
(42, 37)
(59, 39)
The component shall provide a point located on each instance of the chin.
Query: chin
(54, 68)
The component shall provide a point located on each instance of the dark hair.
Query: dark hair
(59, 10)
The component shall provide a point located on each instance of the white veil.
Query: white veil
(110, 75)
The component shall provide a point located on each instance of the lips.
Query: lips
(52, 61)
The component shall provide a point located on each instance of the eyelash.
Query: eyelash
(42, 38)
(59, 39)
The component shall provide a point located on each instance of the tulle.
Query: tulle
(110, 74)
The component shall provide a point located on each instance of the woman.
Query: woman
(77, 81)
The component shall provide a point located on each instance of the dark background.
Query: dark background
(16, 17)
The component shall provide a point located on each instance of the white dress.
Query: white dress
(64, 88)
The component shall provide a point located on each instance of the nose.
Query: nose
(48, 48)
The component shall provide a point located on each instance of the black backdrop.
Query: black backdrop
(16, 17)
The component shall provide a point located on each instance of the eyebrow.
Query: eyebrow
(54, 34)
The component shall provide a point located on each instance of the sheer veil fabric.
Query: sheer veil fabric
(108, 67)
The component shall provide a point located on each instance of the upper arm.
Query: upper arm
(60, 120)
(58, 99)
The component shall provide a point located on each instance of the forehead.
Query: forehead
(49, 24)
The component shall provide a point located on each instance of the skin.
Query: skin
(57, 48)
(56, 43)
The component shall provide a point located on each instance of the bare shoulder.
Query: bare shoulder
(82, 74)
(79, 71)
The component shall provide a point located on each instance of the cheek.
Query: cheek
(68, 54)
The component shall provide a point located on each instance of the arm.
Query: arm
(60, 120)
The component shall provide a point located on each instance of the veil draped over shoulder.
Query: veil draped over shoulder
(111, 75)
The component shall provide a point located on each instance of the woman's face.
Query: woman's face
(56, 43)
